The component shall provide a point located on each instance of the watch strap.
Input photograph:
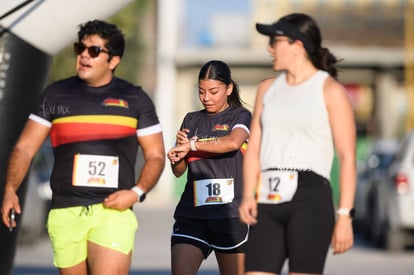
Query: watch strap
(140, 193)
(345, 212)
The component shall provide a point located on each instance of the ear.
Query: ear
(114, 62)
(229, 89)
(299, 46)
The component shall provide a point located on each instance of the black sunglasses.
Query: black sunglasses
(93, 51)
(274, 39)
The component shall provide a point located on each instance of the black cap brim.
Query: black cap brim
(266, 29)
(284, 28)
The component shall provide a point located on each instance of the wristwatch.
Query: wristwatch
(346, 212)
(193, 146)
(141, 194)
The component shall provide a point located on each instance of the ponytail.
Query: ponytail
(324, 60)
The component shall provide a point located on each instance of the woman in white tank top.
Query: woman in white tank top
(300, 118)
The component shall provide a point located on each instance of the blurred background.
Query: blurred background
(169, 40)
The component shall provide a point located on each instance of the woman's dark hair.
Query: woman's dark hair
(220, 71)
(321, 57)
(110, 32)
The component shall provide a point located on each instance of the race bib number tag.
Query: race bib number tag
(277, 186)
(95, 171)
(213, 191)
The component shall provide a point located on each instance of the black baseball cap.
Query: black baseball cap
(284, 28)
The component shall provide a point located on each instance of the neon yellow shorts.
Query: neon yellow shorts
(71, 228)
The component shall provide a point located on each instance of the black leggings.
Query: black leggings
(299, 230)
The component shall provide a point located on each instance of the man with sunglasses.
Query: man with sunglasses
(96, 122)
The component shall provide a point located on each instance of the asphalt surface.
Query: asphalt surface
(152, 252)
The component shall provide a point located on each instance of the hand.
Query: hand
(343, 236)
(121, 200)
(10, 201)
(177, 153)
(248, 210)
(181, 137)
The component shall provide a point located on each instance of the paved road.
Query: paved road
(152, 254)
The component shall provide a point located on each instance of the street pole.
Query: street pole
(409, 62)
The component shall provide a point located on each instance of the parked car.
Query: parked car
(371, 171)
(393, 205)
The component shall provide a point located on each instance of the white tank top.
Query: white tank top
(296, 133)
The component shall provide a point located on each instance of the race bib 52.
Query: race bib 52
(95, 171)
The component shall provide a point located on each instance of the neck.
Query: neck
(100, 82)
(300, 73)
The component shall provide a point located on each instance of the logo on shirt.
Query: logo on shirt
(115, 102)
(221, 127)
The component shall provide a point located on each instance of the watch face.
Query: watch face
(142, 197)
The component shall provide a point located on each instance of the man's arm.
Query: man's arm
(154, 162)
(29, 142)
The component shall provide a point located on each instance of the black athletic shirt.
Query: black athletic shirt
(203, 165)
(98, 121)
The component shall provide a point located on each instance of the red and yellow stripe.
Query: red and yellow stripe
(91, 127)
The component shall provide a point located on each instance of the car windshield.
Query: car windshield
(385, 160)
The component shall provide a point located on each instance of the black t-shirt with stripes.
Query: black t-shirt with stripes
(210, 166)
(97, 121)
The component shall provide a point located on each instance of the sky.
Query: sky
(199, 15)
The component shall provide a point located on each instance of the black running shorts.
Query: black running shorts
(223, 235)
(299, 230)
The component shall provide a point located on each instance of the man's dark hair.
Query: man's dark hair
(110, 32)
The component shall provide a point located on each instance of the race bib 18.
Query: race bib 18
(213, 191)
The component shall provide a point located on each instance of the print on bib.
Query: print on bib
(213, 191)
(95, 171)
(277, 186)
